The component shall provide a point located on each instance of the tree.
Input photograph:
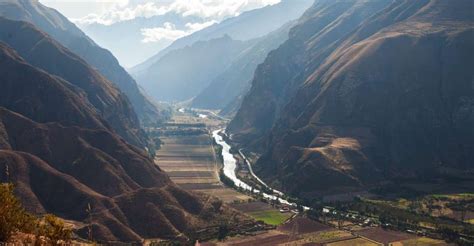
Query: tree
(13, 217)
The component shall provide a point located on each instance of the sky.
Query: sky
(193, 15)
(108, 12)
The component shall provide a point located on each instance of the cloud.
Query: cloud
(205, 9)
(168, 31)
(217, 9)
(199, 26)
(119, 13)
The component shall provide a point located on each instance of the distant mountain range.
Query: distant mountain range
(112, 36)
(183, 73)
(58, 27)
(364, 92)
(225, 92)
(218, 59)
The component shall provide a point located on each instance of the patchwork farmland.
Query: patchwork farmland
(188, 156)
(191, 163)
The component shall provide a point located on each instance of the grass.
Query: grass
(454, 196)
(271, 217)
(328, 235)
(422, 241)
(471, 221)
(427, 225)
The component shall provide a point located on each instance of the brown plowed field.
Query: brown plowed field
(302, 226)
(384, 236)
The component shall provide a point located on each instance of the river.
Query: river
(230, 164)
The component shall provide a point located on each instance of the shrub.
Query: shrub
(53, 230)
(13, 217)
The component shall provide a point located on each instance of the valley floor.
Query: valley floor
(189, 157)
(191, 163)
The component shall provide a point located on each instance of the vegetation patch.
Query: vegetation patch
(14, 220)
(271, 217)
(422, 241)
(326, 236)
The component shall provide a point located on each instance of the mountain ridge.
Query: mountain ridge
(279, 14)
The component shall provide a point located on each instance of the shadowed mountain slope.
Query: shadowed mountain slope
(45, 53)
(342, 105)
(58, 27)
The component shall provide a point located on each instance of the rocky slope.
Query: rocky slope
(45, 53)
(58, 27)
(74, 160)
(364, 91)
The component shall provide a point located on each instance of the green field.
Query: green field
(454, 196)
(271, 217)
(423, 241)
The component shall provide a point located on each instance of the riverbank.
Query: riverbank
(230, 164)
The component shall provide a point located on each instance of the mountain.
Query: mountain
(44, 97)
(285, 68)
(183, 73)
(364, 92)
(43, 52)
(248, 25)
(226, 89)
(112, 38)
(58, 27)
(62, 159)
